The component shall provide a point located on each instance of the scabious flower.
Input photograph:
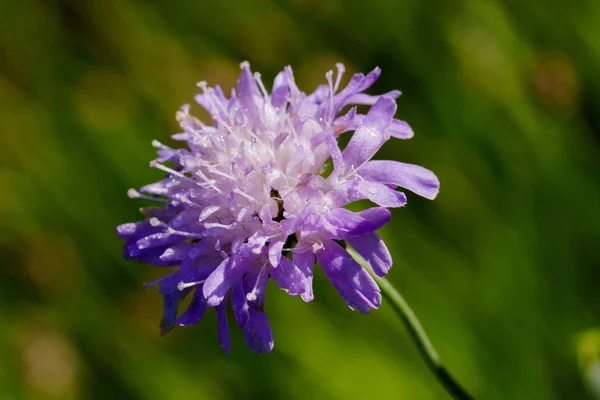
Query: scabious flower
(249, 199)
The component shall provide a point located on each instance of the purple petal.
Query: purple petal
(275, 248)
(239, 304)
(412, 177)
(255, 285)
(381, 195)
(373, 249)
(334, 150)
(351, 280)
(342, 223)
(367, 99)
(305, 262)
(194, 312)
(257, 332)
(289, 277)
(223, 327)
(170, 305)
(227, 274)
(157, 240)
(249, 93)
(371, 135)
(400, 129)
(280, 90)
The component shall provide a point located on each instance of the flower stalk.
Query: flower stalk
(416, 331)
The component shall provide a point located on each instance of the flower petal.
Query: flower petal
(381, 195)
(351, 280)
(223, 327)
(280, 90)
(289, 277)
(239, 304)
(227, 274)
(373, 249)
(371, 135)
(412, 177)
(170, 305)
(400, 129)
(194, 312)
(257, 332)
(342, 223)
(249, 93)
(305, 261)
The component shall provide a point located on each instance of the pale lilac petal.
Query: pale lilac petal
(342, 223)
(367, 99)
(249, 93)
(371, 135)
(381, 195)
(412, 177)
(373, 249)
(280, 90)
(400, 129)
(334, 150)
(351, 280)
(275, 248)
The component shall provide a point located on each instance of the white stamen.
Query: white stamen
(209, 225)
(338, 79)
(134, 194)
(184, 285)
(225, 124)
(154, 222)
(155, 164)
(251, 296)
(210, 182)
(156, 143)
(218, 172)
(246, 195)
(261, 85)
(329, 76)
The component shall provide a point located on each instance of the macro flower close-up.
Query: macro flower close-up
(258, 194)
(292, 199)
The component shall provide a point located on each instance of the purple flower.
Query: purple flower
(250, 198)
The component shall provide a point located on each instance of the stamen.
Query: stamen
(341, 69)
(209, 225)
(210, 182)
(258, 80)
(215, 171)
(157, 144)
(329, 77)
(246, 195)
(134, 194)
(225, 124)
(184, 285)
(155, 164)
(251, 296)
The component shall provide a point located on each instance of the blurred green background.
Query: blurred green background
(503, 268)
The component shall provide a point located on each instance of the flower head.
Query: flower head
(249, 199)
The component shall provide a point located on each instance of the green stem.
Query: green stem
(420, 337)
